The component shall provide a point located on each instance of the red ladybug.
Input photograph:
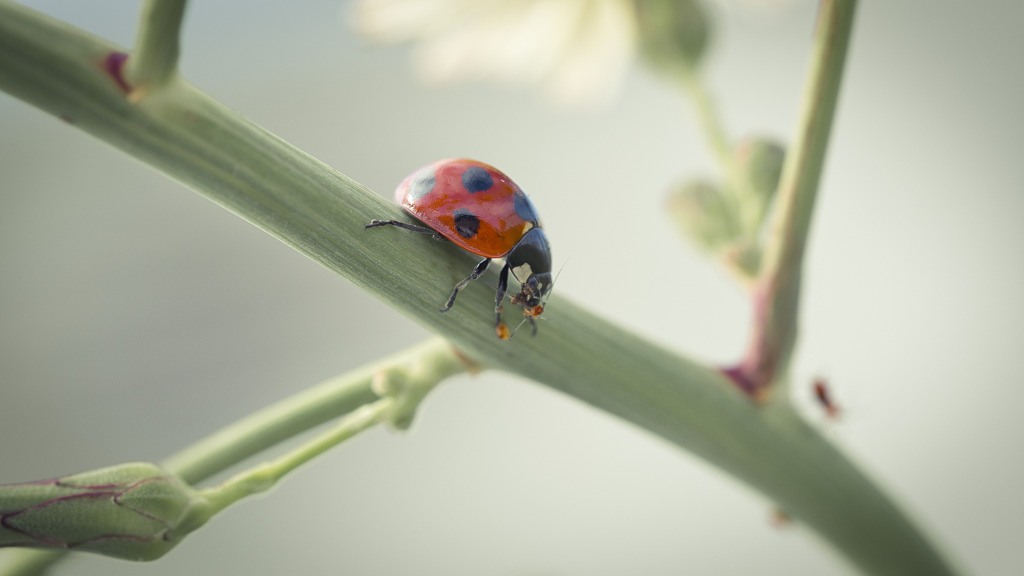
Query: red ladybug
(478, 207)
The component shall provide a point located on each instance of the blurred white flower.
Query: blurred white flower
(758, 5)
(578, 50)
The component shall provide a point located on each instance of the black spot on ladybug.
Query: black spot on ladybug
(422, 184)
(524, 208)
(476, 179)
(466, 223)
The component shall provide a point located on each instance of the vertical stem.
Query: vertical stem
(155, 60)
(776, 294)
(710, 120)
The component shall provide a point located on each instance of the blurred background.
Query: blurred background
(136, 316)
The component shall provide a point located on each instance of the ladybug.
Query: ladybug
(482, 210)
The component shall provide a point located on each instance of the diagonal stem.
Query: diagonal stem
(311, 407)
(263, 477)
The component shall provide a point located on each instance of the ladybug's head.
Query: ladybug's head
(530, 262)
(533, 293)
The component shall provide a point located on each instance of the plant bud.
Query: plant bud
(743, 258)
(704, 215)
(134, 511)
(760, 163)
(672, 34)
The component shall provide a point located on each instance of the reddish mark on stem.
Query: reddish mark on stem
(753, 374)
(471, 366)
(739, 377)
(779, 519)
(113, 65)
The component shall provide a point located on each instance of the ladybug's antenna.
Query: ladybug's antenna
(520, 325)
(544, 302)
(531, 318)
(533, 323)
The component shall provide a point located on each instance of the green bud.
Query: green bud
(134, 511)
(760, 163)
(672, 34)
(704, 215)
(709, 218)
(743, 258)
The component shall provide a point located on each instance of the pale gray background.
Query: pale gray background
(136, 316)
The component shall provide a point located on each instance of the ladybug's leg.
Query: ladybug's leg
(499, 298)
(404, 226)
(476, 274)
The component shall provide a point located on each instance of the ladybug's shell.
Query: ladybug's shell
(473, 204)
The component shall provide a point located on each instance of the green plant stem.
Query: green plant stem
(777, 289)
(264, 476)
(273, 424)
(321, 213)
(157, 46)
(27, 562)
(255, 433)
(710, 120)
(736, 185)
(389, 390)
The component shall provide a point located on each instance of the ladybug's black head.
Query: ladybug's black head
(530, 263)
